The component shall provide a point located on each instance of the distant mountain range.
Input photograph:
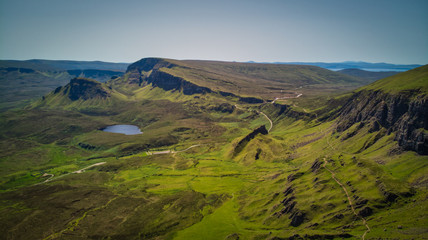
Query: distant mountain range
(376, 67)
(49, 65)
(56, 65)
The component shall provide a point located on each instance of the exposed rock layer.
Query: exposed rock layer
(403, 114)
(241, 144)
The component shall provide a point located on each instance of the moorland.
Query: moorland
(228, 151)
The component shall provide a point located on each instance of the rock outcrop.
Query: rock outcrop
(147, 64)
(289, 208)
(83, 88)
(405, 114)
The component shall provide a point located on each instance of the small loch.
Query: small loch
(123, 129)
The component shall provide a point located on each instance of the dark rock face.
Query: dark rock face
(403, 114)
(233, 236)
(365, 212)
(286, 110)
(138, 71)
(147, 64)
(289, 208)
(250, 100)
(224, 108)
(295, 176)
(82, 88)
(316, 165)
(297, 218)
(388, 195)
(87, 146)
(169, 82)
(260, 130)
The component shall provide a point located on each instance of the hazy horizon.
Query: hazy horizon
(270, 31)
(250, 61)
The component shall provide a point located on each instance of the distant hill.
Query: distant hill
(359, 65)
(368, 75)
(60, 65)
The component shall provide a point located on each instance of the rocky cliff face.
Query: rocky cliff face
(82, 88)
(168, 82)
(404, 114)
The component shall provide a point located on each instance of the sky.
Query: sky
(393, 31)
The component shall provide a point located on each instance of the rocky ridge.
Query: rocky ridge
(83, 88)
(153, 71)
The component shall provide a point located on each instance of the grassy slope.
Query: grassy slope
(415, 79)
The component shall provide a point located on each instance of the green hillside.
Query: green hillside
(412, 80)
(209, 165)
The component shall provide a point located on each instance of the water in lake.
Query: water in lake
(124, 129)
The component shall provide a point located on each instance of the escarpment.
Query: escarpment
(168, 82)
(405, 114)
(155, 71)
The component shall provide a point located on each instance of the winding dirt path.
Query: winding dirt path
(50, 177)
(197, 145)
(78, 171)
(93, 165)
(271, 123)
(333, 175)
(171, 151)
(279, 98)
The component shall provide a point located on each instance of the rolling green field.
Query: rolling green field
(195, 173)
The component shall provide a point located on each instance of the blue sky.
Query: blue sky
(394, 31)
